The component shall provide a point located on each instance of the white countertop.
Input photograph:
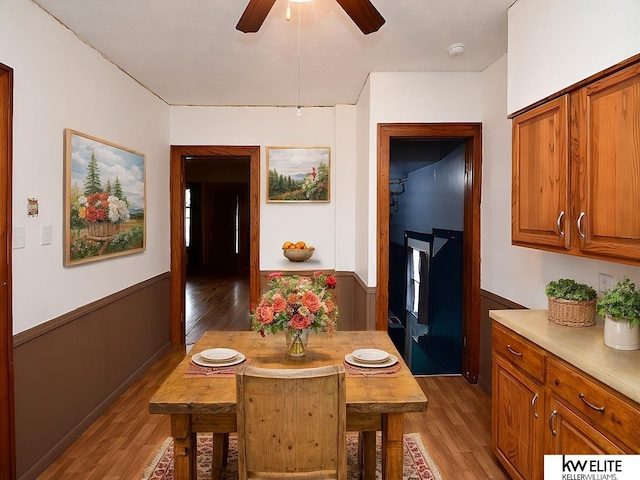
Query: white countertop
(582, 347)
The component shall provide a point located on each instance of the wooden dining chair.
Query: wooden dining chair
(291, 423)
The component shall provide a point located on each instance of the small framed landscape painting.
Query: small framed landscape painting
(298, 174)
(104, 199)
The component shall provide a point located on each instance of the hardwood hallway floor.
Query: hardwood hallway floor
(121, 442)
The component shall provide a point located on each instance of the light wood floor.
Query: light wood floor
(118, 446)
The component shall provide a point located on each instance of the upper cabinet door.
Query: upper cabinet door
(605, 134)
(540, 188)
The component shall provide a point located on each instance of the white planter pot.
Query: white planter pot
(618, 334)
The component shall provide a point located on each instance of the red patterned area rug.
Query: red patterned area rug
(418, 465)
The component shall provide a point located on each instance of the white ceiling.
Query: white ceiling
(188, 52)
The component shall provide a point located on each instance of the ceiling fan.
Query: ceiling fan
(362, 12)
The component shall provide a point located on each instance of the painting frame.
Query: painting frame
(298, 174)
(104, 199)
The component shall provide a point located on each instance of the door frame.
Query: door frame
(177, 183)
(471, 133)
(7, 413)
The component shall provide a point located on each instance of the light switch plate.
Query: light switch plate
(45, 234)
(18, 237)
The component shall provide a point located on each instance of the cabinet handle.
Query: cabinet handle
(560, 230)
(553, 414)
(512, 351)
(589, 404)
(533, 405)
(580, 225)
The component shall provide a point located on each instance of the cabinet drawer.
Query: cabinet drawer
(596, 404)
(519, 351)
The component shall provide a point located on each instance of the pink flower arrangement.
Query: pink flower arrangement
(297, 302)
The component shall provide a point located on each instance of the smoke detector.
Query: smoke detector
(455, 49)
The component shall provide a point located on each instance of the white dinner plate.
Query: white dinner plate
(392, 360)
(217, 355)
(370, 355)
(198, 360)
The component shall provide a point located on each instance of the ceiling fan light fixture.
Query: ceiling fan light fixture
(300, 1)
(455, 49)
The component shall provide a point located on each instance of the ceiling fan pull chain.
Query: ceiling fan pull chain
(299, 110)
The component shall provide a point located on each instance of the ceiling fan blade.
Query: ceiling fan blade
(364, 14)
(254, 15)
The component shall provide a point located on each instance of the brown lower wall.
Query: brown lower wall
(364, 305)
(70, 369)
(489, 301)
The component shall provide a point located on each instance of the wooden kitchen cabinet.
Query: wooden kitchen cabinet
(517, 421)
(544, 405)
(518, 406)
(605, 128)
(569, 434)
(576, 171)
(614, 420)
(540, 186)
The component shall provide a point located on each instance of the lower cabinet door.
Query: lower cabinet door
(518, 421)
(569, 434)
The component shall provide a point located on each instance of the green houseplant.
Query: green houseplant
(620, 307)
(570, 303)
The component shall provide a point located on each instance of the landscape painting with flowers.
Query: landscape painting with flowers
(298, 174)
(105, 199)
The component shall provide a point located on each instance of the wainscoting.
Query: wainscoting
(71, 369)
(489, 301)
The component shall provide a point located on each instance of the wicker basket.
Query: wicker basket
(298, 254)
(572, 313)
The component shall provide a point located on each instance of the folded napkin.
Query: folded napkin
(352, 370)
(198, 371)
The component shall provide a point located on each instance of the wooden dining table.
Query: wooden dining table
(376, 402)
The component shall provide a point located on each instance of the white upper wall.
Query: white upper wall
(315, 223)
(345, 192)
(412, 97)
(361, 182)
(554, 44)
(60, 82)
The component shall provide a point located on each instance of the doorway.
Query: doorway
(426, 222)
(7, 421)
(471, 136)
(237, 199)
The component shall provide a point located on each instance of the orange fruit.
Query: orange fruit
(287, 245)
(300, 245)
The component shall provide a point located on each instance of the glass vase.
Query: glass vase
(297, 341)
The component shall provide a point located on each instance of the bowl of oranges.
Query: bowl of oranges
(297, 252)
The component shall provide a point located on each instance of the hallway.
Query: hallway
(216, 302)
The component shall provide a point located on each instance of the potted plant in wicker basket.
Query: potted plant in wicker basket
(620, 307)
(571, 304)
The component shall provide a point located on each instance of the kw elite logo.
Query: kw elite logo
(601, 468)
(591, 467)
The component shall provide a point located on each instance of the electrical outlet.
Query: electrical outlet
(605, 282)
